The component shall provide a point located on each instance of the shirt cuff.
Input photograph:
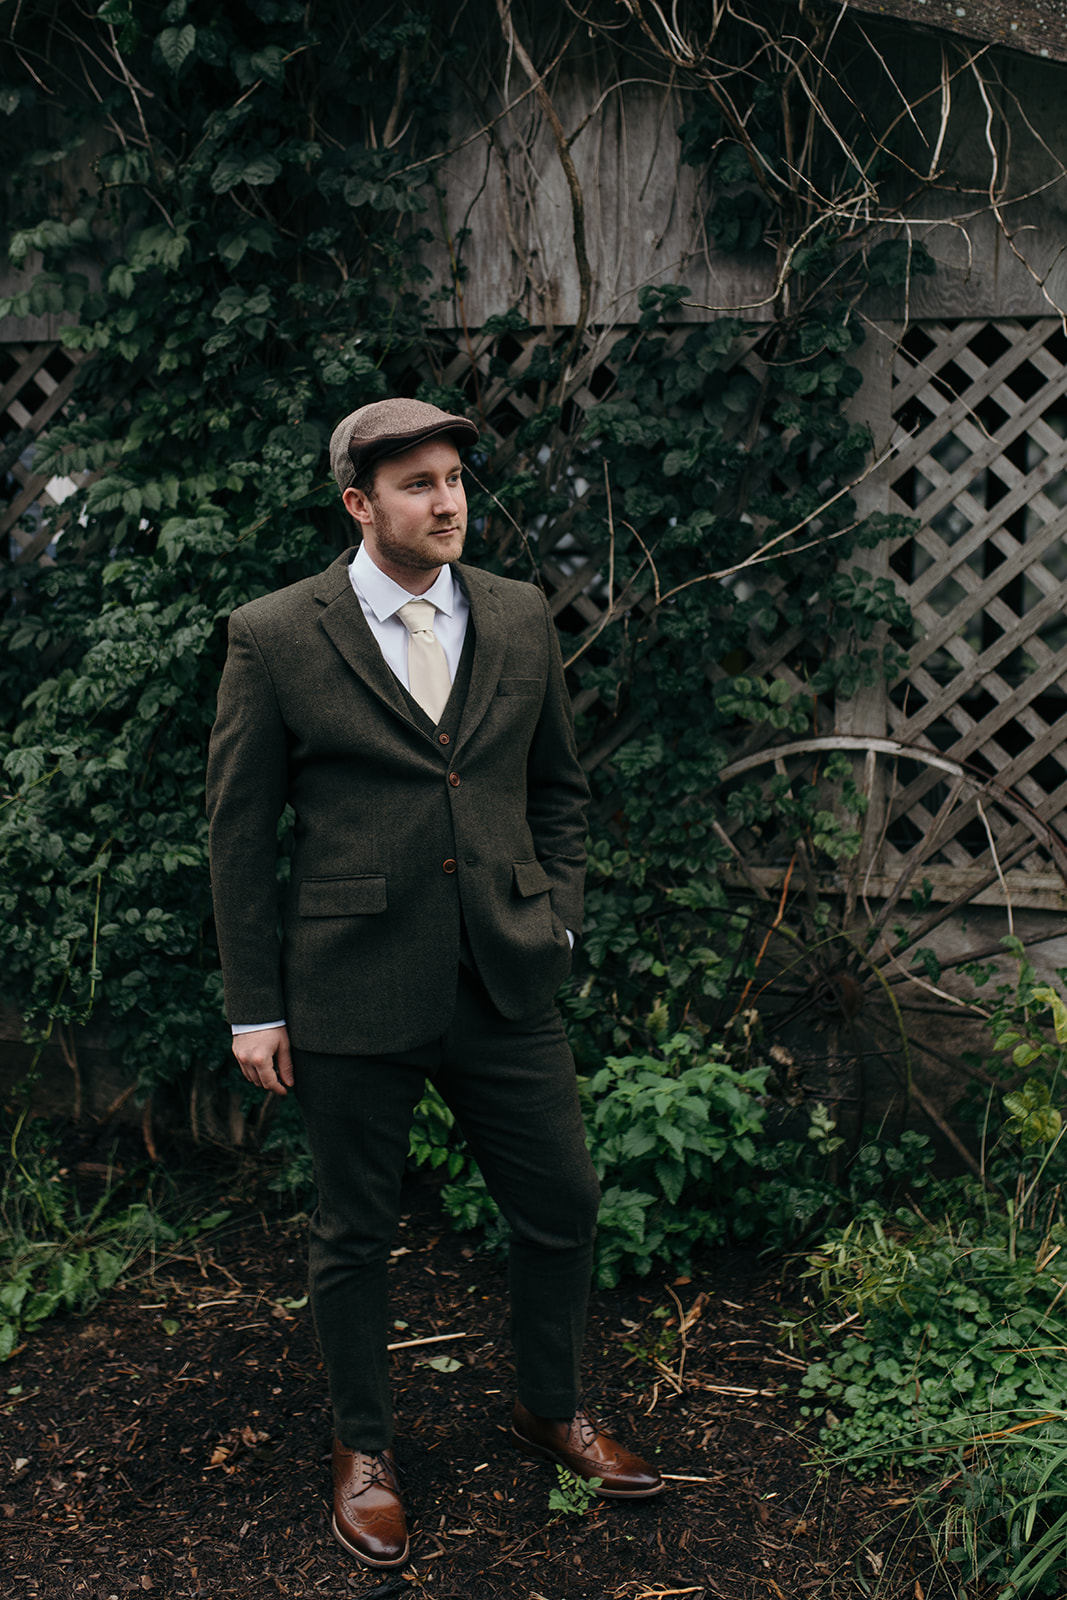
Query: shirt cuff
(254, 1027)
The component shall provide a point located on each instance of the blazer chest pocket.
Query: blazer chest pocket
(341, 897)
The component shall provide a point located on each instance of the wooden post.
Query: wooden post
(865, 712)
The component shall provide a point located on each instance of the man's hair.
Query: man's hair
(364, 481)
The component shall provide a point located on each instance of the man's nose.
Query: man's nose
(446, 500)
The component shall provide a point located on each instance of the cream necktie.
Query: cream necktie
(428, 677)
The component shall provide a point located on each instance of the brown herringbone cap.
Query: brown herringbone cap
(385, 428)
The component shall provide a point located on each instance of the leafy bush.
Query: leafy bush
(56, 1255)
(668, 1134)
(956, 1339)
(955, 1355)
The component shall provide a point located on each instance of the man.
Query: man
(413, 713)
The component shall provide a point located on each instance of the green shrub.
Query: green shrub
(668, 1134)
(949, 1354)
(57, 1255)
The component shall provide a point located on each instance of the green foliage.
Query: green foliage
(668, 1132)
(57, 1255)
(695, 450)
(957, 1367)
(573, 1496)
(958, 1340)
(432, 1141)
(790, 1188)
(954, 1357)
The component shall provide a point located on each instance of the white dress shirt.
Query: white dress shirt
(380, 599)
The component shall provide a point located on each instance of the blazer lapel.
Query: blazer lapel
(343, 620)
(490, 644)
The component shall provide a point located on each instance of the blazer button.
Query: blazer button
(442, 738)
(448, 866)
(453, 778)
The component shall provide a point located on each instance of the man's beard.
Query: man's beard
(402, 555)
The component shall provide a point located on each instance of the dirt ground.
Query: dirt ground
(177, 1440)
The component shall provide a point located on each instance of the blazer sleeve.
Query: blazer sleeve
(557, 791)
(247, 775)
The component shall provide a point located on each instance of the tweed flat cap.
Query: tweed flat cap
(385, 428)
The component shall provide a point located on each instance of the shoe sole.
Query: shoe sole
(361, 1555)
(528, 1448)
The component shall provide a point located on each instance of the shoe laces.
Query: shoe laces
(587, 1428)
(372, 1467)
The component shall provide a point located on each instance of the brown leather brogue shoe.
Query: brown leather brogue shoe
(368, 1518)
(581, 1447)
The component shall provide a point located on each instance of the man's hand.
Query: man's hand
(264, 1058)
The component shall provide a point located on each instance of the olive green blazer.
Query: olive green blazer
(403, 832)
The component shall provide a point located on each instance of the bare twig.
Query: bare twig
(570, 172)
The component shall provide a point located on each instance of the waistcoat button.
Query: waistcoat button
(453, 778)
(448, 866)
(442, 738)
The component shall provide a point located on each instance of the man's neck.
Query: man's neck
(413, 580)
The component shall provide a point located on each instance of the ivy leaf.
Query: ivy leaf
(176, 45)
(1031, 1115)
(119, 14)
(230, 304)
(120, 280)
(269, 63)
(1059, 1011)
(235, 168)
(233, 246)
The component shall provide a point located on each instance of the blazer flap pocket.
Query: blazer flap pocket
(341, 897)
(531, 878)
(519, 686)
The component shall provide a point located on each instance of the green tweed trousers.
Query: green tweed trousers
(511, 1086)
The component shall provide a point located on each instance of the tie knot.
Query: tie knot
(417, 615)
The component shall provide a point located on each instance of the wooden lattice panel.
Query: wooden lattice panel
(981, 418)
(36, 381)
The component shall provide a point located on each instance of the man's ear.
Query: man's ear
(358, 506)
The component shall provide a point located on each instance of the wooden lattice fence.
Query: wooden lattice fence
(966, 754)
(37, 381)
(980, 410)
(976, 414)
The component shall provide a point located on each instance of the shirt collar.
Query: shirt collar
(385, 597)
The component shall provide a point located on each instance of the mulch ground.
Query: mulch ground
(177, 1440)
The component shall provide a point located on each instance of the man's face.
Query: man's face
(414, 520)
